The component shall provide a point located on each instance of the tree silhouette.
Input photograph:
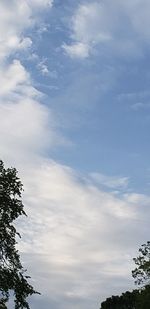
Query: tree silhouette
(13, 276)
(126, 300)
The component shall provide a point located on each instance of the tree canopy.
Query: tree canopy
(127, 300)
(13, 276)
(136, 299)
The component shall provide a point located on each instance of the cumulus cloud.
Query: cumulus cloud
(122, 26)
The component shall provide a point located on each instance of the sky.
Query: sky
(75, 122)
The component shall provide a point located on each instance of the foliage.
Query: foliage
(143, 298)
(12, 274)
(141, 273)
(126, 301)
(137, 299)
(2, 304)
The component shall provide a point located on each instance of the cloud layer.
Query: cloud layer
(78, 235)
(82, 229)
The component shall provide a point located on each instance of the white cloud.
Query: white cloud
(75, 234)
(11, 77)
(110, 181)
(137, 198)
(86, 31)
(78, 237)
(121, 27)
(85, 22)
(15, 18)
(26, 126)
(78, 50)
(25, 43)
(42, 66)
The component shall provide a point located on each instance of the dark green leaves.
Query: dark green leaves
(141, 273)
(137, 299)
(12, 274)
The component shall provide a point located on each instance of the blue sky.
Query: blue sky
(74, 121)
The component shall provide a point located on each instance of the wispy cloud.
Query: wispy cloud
(136, 100)
(110, 181)
(43, 68)
(77, 50)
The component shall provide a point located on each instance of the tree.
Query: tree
(13, 276)
(126, 300)
(2, 304)
(143, 298)
(141, 273)
(136, 299)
